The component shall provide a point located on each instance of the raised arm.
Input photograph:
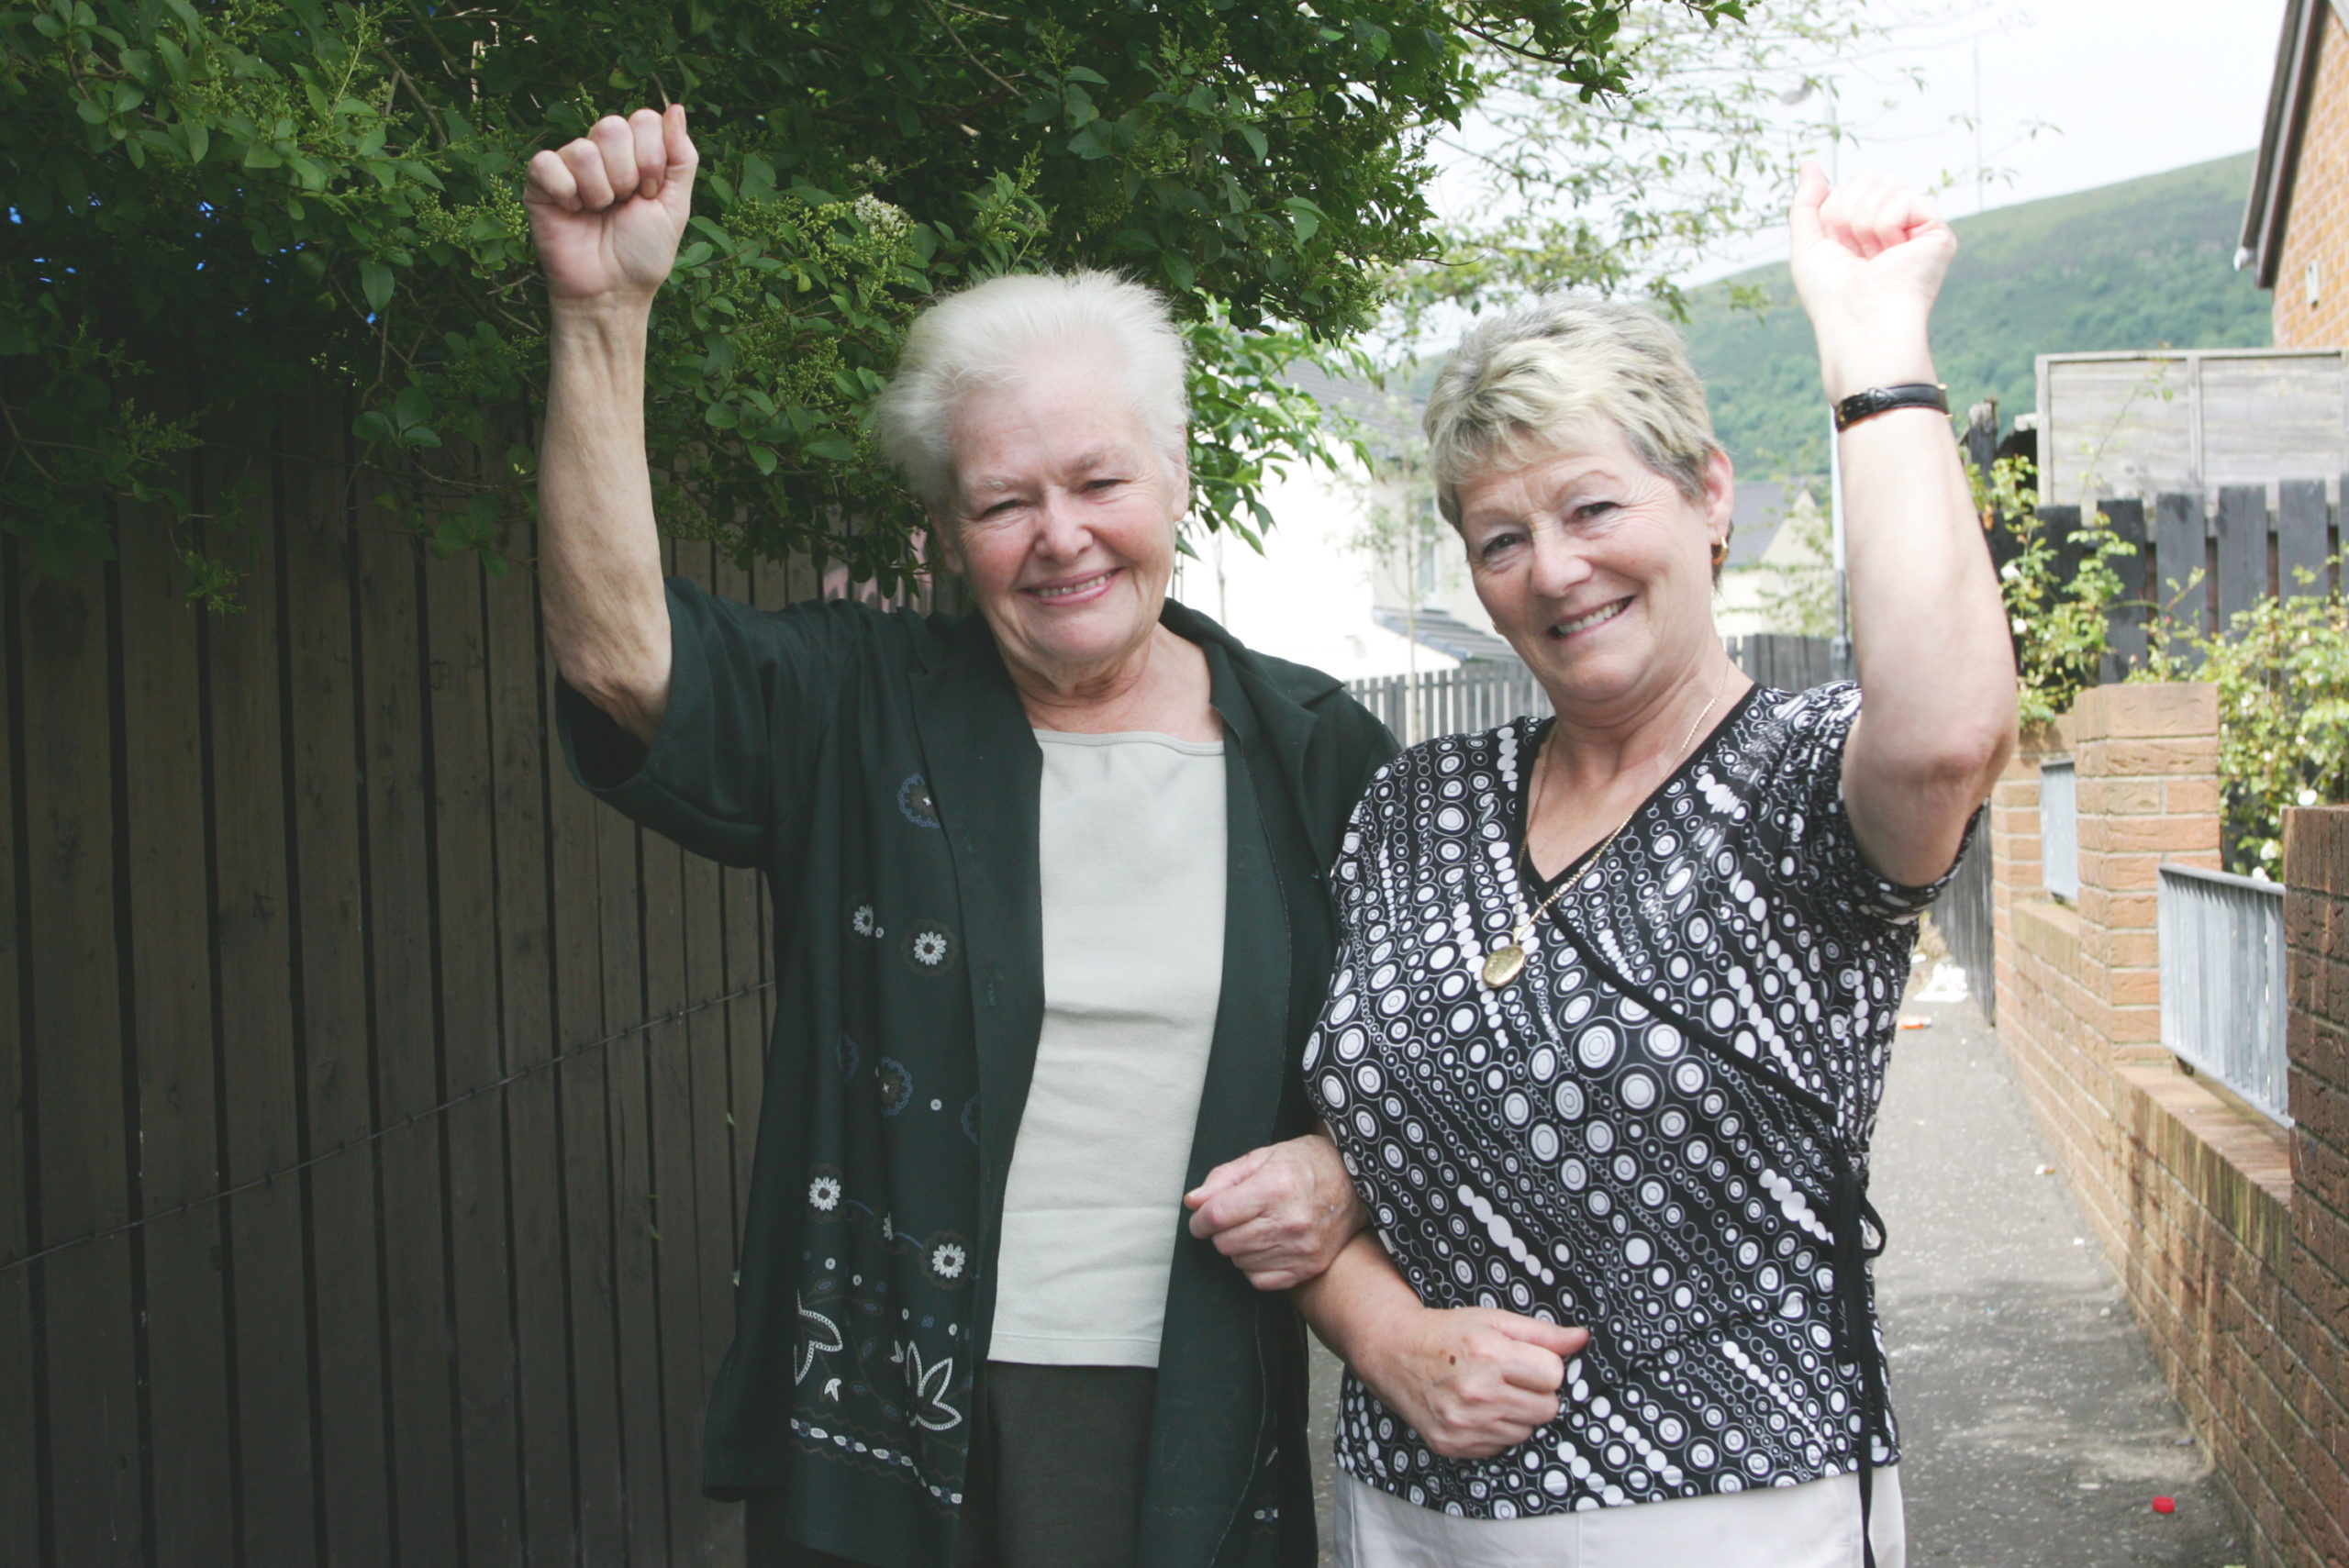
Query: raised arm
(1929, 632)
(607, 212)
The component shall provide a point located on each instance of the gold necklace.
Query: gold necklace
(1505, 963)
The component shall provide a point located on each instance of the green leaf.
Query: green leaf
(376, 279)
(1304, 218)
(198, 138)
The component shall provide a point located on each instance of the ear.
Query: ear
(1721, 495)
(945, 541)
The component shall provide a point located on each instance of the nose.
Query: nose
(1558, 568)
(1062, 532)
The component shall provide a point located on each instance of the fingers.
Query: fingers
(1871, 214)
(1227, 1175)
(615, 144)
(1557, 1339)
(551, 183)
(1810, 191)
(648, 132)
(677, 147)
(649, 154)
(586, 164)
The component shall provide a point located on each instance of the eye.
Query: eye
(1591, 511)
(1497, 544)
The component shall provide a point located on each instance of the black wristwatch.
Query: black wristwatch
(1878, 400)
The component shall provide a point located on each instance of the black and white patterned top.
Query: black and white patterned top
(1658, 1131)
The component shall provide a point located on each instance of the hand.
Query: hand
(606, 210)
(1470, 1380)
(1869, 259)
(1280, 1212)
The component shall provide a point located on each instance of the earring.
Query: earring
(1720, 551)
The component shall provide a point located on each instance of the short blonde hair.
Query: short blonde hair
(1521, 383)
(987, 336)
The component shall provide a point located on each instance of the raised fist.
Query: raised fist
(608, 210)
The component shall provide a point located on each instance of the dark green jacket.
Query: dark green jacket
(881, 770)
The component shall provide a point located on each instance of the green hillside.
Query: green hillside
(2137, 265)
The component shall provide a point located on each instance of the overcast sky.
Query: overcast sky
(2120, 88)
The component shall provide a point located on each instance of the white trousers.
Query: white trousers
(1816, 1525)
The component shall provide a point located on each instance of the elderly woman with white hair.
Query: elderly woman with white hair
(1610, 1022)
(1052, 922)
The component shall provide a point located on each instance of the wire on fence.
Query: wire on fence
(267, 1178)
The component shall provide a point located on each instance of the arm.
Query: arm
(1471, 1382)
(1929, 631)
(607, 212)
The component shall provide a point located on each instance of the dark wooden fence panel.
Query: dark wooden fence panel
(84, 1310)
(2303, 545)
(23, 1503)
(2243, 548)
(2125, 638)
(2181, 580)
(375, 1109)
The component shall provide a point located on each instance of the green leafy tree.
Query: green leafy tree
(308, 194)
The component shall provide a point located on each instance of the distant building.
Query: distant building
(1780, 561)
(2295, 226)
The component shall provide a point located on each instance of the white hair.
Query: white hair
(989, 335)
(1531, 379)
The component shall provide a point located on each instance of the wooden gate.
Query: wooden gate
(303, 909)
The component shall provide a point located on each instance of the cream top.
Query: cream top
(1132, 845)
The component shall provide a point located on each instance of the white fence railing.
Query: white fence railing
(1476, 696)
(2059, 830)
(2223, 982)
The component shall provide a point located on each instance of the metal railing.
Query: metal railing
(1476, 696)
(2223, 982)
(2059, 830)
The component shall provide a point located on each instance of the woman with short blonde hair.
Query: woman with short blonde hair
(1616, 985)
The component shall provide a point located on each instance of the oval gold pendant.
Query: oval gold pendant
(1503, 965)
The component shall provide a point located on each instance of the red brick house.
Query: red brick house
(2295, 226)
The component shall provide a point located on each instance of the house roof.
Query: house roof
(1761, 507)
(2280, 143)
(1444, 632)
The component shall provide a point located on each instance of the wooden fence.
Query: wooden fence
(303, 907)
(2244, 550)
(1476, 696)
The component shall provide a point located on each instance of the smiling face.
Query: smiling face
(1064, 520)
(1598, 569)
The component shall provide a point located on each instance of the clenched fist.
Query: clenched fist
(608, 210)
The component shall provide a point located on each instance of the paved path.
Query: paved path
(2036, 1429)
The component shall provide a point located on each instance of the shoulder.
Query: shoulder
(1348, 732)
(1781, 730)
(1449, 785)
(845, 625)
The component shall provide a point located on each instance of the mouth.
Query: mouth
(1599, 616)
(1078, 591)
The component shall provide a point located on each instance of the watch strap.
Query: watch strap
(1878, 400)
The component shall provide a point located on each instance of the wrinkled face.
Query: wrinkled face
(1595, 567)
(1064, 518)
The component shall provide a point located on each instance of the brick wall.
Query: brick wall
(2316, 226)
(2230, 1240)
(2315, 1298)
